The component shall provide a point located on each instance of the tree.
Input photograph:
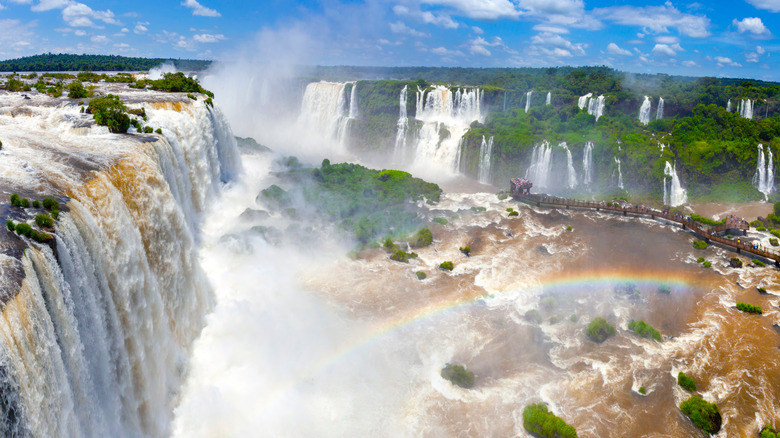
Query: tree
(110, 111)
(76, 90)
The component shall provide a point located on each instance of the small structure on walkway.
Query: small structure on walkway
(520, 186)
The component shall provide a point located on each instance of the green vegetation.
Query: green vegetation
(275, 197)
(664, 289)
(705, 415)
(10, 225)
(421, 275)
(25, 203)
(15, 200)
(44, 220)
(761, 290)
(441, 221)
(421, 238)
(55, 214)
(69, 62)
(36, 204)
(760, 228)
(686, 382)
(549, 302)
(179, 83)
(574, 318)
(644, 330)
(446, 266)
(758, 262)
(110, 111)
(568, 228)
(706, 220)
(700, 260)
(773, 241)
(769, 432)
(466, 250)
(458, 375)
(402, 256)
(533, 316)
(707, 264)
(599, 330)
(540, 422)
(24, 229)
(699, 244)
(514, 213)
(642, 390)
(735, 262)
(749, 308)
(76, 90)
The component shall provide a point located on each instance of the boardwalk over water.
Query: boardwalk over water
(706, 233)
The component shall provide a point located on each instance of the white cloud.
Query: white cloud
(751, 57)
(443, 51)
(480, 9)
(549, 28)
(401, 28)
(477, 30)
(657, 19)
(667, 40)
(140, 27)
(208, 38)
(666, 49)
(47, 5)
(752, 25)
(15, 37)
(690, 64)
(769, 5)
(479, 45)
(100, 39)
(125, 30)
(427, 17)
(556, 45)
(723, 61)
(760, 50)
(198, 9)
(614, 49)
(76, 14)
(80, 32)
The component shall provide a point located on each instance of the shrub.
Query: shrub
(25, 203)
(549, 302)
(110, 111)
(705, 415)
(510, 209)
(44, 220)
(599, 330)
(447, 266)
(76, 90)
(55, 214)
(760, 228)
(514, 213)
(465, 250)
(573, 318)
(389, 245)
(23, 229)
(9, 225)
(502, 196)
(775, 233)
(533, 316)
(421, 275)
(36, 204)
(642, 390)
(699, 244)
(15, 201)
(749, 308)
(707, 264)
(402, 256)
(41, 237)
(644, 330)
(275, 196)
(756, 223)
(148, 130)
(478, 209)
(773, 241)
(736, 262)
(540, 422)
(158, 131)
(421, 238)
(568, 228)
(458, 375)
(700, 260)
(758, 262)
(761, 290)
(192, 96)
(686, 382)
(769, 432)
(178, 82)
(664, 289)
(440, 221)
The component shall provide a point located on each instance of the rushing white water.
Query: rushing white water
(728, 106)
(746, 108)
(571, 173)
(549, 98)
(528, 100)
(659, 114)
(596, 107)
(674, 194)
(587, 164)
(402, 126)
(764, 179)
(541, 165)
(95, 339)
(582, 102)
(619, 174)
(446, 115)
(644, 111)
(353, 102)
(485, 153)
(326, 112)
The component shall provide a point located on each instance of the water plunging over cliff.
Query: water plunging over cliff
(746, 108)
(587, 164)
(728, 106)
(541, 165)
(674, 194)
(644, 111)
(619, 174)
(549, 98)
(528, 100)
(403, 127)
(582, 101)
(326, 111)
(659, 114)
(485, 152)
(764, 179)
(571, 174)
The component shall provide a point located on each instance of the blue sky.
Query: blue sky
(736, 38)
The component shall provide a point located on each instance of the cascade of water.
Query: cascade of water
(746, 109)
(446, 116)
(353, 102)
(571, 174)
(644, 111)
(728, 106)
(674, 194)
(528, 100)
(583, 100)
(620, 173)
(549, 98)
(402, 126)
(541, 165)
(504, 100)
(659, 114)
(596, 106)
(764, 179)
(485, 151)
(587, 164)
(324, 110)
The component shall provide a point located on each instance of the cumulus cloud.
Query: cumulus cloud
(427, 17)
(198, 9)
(751, 57)
(479, 45)
(401, 28)
(443, 51)
(769, 5)
(657, 19)
(557, 46)
(760, 50)
(666, 49)
(480, 9)
(667, 40)
(614, 49)
(208, 38)
(690, 64)
(724, 61)
(76, 14)
(477, 30)
(752, 25)
(550, 28)
(100, 39)
(140, 27)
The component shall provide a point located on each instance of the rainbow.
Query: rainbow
(555, 281)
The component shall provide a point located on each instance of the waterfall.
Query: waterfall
(596, 107)
(571, 174)
(764, 179)
(644, 111)
(674, 194)
(528, 100)
(402, 126)
(353, 102)
(94, 337)
(446, 115)
(728, 106)
(541, 165)
(659, 114)
(325, 110)
(549, 98)
(587, 164)
(746, 108)
(620, 174)
(583, 100)
(504, 100)
(485, 151)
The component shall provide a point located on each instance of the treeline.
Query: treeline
(70, 62)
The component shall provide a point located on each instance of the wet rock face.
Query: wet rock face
(735, 262)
